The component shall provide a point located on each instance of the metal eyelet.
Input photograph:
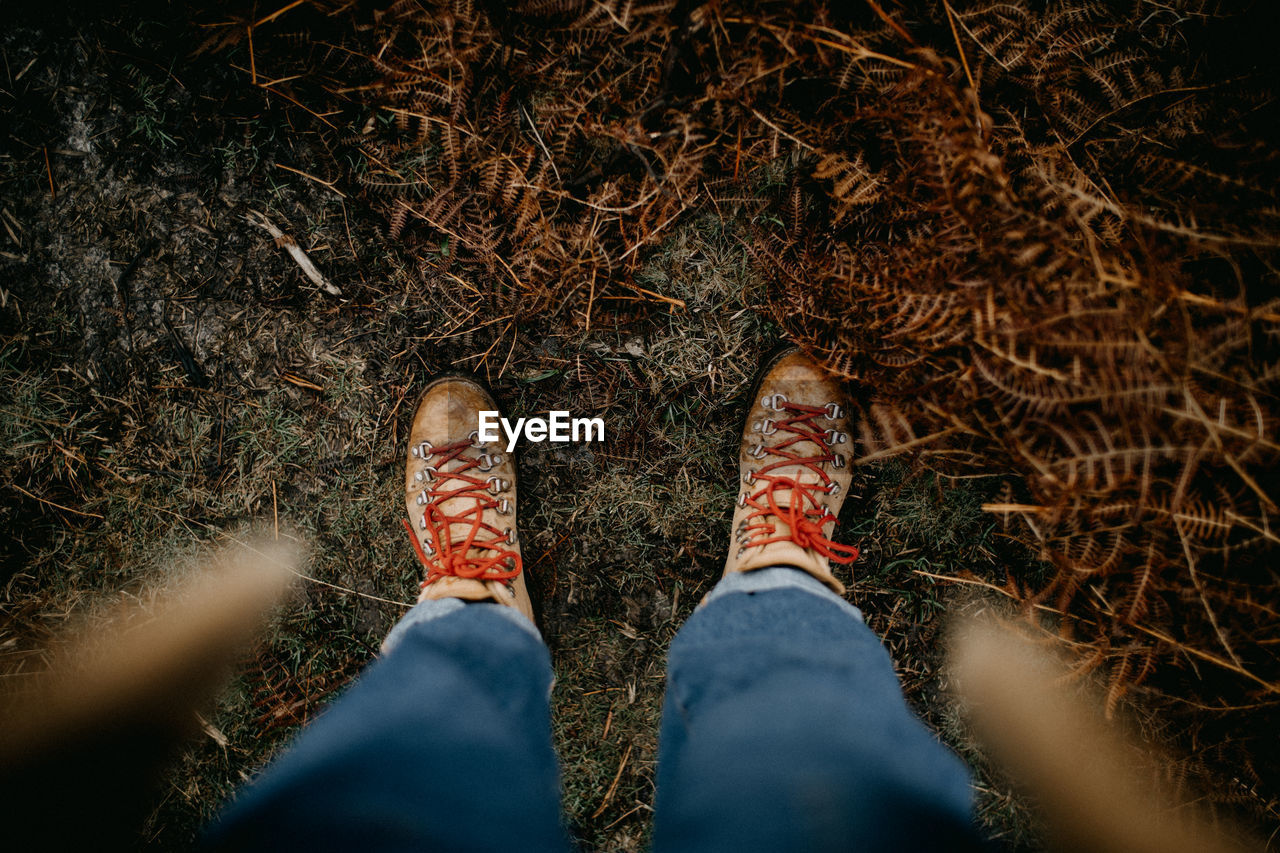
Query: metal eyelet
(834, 488)
(497, 484)
(773, 401)
(474, 437)
(837, 460)
(422, 498)
(510, 533)
(765, 427)
(833, 437)
(422, 522)
(425, 474)
(750, 477)
(422, 449)
(487, 461)
(834, 411)
(427, 548)
(757, 451)
(504, 507)
(742, 498)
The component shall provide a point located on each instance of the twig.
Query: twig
(300, 381)
(1197, 299)
(269, 18)
(253, 63)
(266, 87)
(26, 68)
(797, 140)
(1205, 656)
(897, 28)
(284, 241)
(627, 814)
(54, 505)
(614, 787)
(591, 297)
(670, 300)
(955, 34)
(48, 169)
(537, 137)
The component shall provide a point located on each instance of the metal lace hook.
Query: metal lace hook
(773, 401)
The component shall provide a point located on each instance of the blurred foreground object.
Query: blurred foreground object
(83, 745)
(1050, 735)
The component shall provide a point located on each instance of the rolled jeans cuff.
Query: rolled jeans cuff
(778, 577)
(434, 608)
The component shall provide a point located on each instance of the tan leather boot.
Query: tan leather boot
(460, 494)
(794, 465)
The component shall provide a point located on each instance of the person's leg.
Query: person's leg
(444, 743)
(784, 728)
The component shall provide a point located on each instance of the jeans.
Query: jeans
(784, 728)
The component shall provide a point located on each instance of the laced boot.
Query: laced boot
(794, 464)
(460, 494)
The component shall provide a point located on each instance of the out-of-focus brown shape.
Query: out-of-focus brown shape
(1049, 734)
(82, 747)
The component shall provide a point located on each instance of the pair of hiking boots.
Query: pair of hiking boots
(460, 491)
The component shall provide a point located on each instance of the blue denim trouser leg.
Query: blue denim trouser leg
(444, 743)
(784, 728)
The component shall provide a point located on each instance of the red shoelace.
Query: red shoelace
(804, 513)
(451, 557)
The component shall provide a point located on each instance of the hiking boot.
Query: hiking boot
(794, 467)
(460, 494)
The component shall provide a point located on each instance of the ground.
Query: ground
(169, 379)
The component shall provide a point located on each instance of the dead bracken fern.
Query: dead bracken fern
(1042, 238)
